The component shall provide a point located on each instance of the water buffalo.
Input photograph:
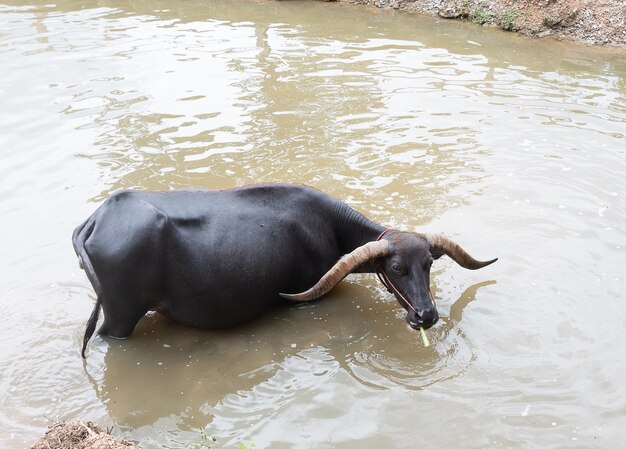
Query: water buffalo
(216, 259)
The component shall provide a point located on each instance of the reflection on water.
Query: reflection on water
(352, 333)
(513, 147)
(384, 365)
(253, 371)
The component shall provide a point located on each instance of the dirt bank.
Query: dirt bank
(599, 22)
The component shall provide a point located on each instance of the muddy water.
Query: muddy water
(515, 148)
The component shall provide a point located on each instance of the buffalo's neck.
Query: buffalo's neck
(356, 230)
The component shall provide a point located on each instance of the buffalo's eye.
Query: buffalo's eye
(397, 267)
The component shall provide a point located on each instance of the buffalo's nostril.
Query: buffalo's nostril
(425, 318)
(428, 318)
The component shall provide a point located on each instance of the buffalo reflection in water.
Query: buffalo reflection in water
(166, 370)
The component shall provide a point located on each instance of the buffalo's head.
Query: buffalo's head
(402, 260)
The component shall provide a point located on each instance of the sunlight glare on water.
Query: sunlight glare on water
(513, 147)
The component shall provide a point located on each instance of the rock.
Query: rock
(544, 33)
(453, 10)
(570, 17)
(562, 17)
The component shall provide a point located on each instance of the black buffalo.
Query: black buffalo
(216, 259)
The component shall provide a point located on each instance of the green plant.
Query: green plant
(206, 441)
(508, 19)
(481, 17)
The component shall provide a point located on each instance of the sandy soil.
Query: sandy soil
(598, 22)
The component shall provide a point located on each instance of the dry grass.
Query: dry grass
(80, 435)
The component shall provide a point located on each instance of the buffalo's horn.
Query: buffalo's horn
(341, 269)
(442, 244)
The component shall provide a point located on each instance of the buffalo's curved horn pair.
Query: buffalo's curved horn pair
(440, 244)
(341, 269)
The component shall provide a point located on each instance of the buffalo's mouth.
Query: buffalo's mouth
(416, 322)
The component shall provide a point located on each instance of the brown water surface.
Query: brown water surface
(515, 148)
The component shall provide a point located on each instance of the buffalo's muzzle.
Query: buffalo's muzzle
(426, 319)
